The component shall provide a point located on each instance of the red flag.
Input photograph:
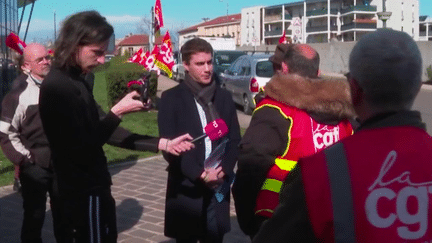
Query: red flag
(283, 39)
(148, 61)
(14, 42)
(137, 57)
(165, 59)
(158, 23)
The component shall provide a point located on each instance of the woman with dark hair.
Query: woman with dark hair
(76, 134)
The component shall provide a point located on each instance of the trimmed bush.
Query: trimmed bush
(429, 73)
(119, 73)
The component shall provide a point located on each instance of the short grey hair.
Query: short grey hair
(387, 65)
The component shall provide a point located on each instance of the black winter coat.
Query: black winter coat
(187, 196)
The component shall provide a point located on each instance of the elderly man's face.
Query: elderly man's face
(37, 61)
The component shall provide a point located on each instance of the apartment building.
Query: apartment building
(251, 22)
(318, 21)
(224, 26)
(425, 30)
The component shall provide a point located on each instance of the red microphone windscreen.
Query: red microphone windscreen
(14, 42)
(216, 129)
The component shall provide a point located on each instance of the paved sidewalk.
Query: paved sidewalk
(139, 191)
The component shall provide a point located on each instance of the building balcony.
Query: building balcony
(359, 8)
(288, 17)
(319, 12)
(358, 26)
(273, 33)
(423, 33)
(274, 17)
(320, 28)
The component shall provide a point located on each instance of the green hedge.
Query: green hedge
(119, 73)
(429, 73)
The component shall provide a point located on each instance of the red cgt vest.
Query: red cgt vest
(375, 186)
(305, 137)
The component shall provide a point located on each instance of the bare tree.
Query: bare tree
(144, 26)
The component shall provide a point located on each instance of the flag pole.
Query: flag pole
(151, 35)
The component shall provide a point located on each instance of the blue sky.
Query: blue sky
(125, 16)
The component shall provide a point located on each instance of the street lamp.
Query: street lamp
(226, 15)
(384, 15)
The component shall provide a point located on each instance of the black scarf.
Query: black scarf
(204, 94)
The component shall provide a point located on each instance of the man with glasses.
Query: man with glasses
(23, 141)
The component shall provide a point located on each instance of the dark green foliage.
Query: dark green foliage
(429, 73)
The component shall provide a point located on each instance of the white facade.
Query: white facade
(404, 17)
(317, 21)
(251, 26)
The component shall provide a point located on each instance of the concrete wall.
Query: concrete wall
(334, 56)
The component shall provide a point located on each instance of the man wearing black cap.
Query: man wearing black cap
(299, 115)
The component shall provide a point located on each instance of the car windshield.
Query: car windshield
(264, 69)
(224, 60)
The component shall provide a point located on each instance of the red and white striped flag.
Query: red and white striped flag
(158, 23)
(148, 60)
(137, 57)
(165, 59)
(283, 39)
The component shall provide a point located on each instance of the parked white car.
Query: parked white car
(246, 77)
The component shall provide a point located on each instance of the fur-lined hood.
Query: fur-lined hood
(327, 100)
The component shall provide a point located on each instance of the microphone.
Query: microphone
(14, 42)
(214, 130)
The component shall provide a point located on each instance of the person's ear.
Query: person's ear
(186, 66)
(318, 73)
(356, 91)
(25, 67)
(285, 69)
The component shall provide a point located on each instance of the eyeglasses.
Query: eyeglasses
(41, 59)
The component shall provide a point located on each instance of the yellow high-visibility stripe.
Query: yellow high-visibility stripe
(287, 118)
(285, 164)
(272, 185)
(264, 210)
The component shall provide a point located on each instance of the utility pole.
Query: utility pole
(55, 32)
(226, 16)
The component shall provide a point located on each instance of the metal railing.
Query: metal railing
(362, 8)
(318, 12)
(358, 26)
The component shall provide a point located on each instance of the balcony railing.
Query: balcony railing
(423, 33)
(358, 26)
(320, 28)
(319, 12)
(275, 17)
(273, 32)
(288, 17)
(362, 8)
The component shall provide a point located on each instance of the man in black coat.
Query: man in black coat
(76, 133)
(197, 200)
